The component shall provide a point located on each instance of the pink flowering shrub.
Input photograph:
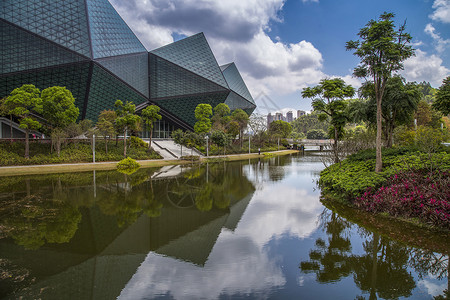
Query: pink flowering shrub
(412, 194)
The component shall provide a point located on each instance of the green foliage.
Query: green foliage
(59, 106)
(149, 115)
(442, 102)
(126, 119)
(221, 116)
(280, 128)
(307, 122)
(128, 163)
(316, 134)
(136, 142)
(382, 50)
(203, 113)
(355, 174)
(10, 154)
(429, 139)
(220, 138)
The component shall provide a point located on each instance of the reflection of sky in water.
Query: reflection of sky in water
(239, 263)
(260, 259)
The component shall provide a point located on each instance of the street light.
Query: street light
(207, 148)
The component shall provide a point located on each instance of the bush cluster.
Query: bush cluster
(412, 194)
(40, 153)
(353, 176)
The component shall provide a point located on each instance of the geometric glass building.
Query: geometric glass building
(86, 46)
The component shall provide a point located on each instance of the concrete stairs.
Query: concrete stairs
(169, 150)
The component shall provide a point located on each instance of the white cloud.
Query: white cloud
(423, 67)
(236, 31)
(442, 11)
(441, 44)
(272, 67)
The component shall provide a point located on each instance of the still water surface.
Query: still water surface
(252, 229)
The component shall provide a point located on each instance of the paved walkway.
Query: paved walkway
(112, 165)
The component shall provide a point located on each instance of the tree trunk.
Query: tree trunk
(335, 146)
(379, 162)
(106, 145)
(150, 141)
(125, 143)
(10, 129)
(27, 143)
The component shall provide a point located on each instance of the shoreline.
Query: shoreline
(112, 165)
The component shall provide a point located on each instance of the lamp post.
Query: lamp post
(93, 148)
(207, 145)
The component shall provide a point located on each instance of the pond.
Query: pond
(253, 229)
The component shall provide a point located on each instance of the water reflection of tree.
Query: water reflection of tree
(331, 259)
(34, 220)
(427, 262)
(208, 186)
(381, 271)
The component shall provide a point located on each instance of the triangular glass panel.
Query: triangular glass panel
(194, 54)
(235, 81)
(35, 52)
(110, 35)
(168, 80)
(184, 107)
(132, 68)
(27, 14)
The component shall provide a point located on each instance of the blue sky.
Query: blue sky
(282, 46)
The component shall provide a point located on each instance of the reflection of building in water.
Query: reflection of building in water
(102, 257)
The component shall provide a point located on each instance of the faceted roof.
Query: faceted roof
(110, 35)
(61, 21)
(194, 54)
(235, 81)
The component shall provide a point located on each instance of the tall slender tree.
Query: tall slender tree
(126, 119)
(203, 114)
(149, 115)
(328, 100)
(442, 102)
(382, 50)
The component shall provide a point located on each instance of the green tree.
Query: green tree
(382, 50)
(178, 137)
(126, 120)
(442, 102)
(328, 101)
(316, 134)
(203, 114)
(221, 116)
(305, 123)
(399, 101)
(22, 103)
(149, 115)
(106, 128)
(220, 138)
(59, 110)
(280, 128)
(241, 118)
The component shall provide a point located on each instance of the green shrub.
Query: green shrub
(316, 134)
(128, 163)
(136, 142)
(353, 176)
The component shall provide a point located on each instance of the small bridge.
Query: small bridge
(322, 144)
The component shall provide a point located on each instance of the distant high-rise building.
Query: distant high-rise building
(269, 119)
(278, 117)
(289, 117)
(300, 113)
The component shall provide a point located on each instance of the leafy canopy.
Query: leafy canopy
(203, 114)
(59, 106)
(442, 102)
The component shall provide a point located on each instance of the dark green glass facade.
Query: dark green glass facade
(85, 46)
